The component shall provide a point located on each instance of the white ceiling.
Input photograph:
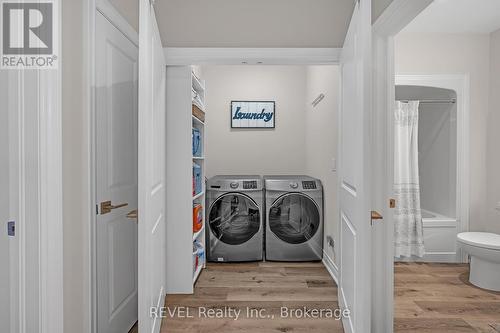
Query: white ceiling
(458, 16)
(253, 23)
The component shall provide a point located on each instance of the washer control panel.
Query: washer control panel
(309, 185)
(249, 184)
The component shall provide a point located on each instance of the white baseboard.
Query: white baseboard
(331, 267)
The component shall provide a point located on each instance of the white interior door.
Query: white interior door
(355, 218)
(152, 151)
(116, 178)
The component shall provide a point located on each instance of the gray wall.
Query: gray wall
(254, 23)
(437, 134)
(321, 143)
(255, 151)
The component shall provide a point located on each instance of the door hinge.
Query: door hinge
(96, 209)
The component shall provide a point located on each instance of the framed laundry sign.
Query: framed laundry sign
(253, 114)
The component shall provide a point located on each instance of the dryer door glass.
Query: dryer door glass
(234, 218)
(294, 218)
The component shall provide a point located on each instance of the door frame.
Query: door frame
(173, 56)
(93, 7)
(187, 56)
(396, 16)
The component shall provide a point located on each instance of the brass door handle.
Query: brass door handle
(376, 215)
(132, 214)
(107, 207)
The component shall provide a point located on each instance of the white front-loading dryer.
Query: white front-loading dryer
(235, 215)
(294, 218)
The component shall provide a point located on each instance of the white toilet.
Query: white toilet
(484, 250)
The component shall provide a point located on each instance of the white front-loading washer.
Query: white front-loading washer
(294, 218)
(235, 215)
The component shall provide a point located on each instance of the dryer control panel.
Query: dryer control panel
(309, 185)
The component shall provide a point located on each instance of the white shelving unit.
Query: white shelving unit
(185, 90)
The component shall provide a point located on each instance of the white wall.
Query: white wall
(253, 23)
(321, 142)
(255, 151)
(493, 159)
(423, 53)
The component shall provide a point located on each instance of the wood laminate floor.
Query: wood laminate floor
(438, 298)
(429, 298)
(261, 291)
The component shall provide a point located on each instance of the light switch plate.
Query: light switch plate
(11, 228)
(334, 164)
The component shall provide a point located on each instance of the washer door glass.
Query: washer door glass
(234, 218)
(294, 218)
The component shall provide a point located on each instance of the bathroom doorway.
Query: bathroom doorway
(442, 64)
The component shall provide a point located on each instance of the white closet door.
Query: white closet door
(355, 219)
(116, 175)
(152, 150)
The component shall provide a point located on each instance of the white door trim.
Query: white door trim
(107, 9)
(50, 200)
(460, 84)
(397, 15)
(251, 56)
(89, 214)
(49, 183)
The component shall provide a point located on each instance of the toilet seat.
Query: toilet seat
(485, 240)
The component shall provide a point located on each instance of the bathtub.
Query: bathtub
(440, 238)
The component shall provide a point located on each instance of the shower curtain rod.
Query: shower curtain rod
(452, 101)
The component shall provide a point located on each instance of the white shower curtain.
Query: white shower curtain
(408, 229)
